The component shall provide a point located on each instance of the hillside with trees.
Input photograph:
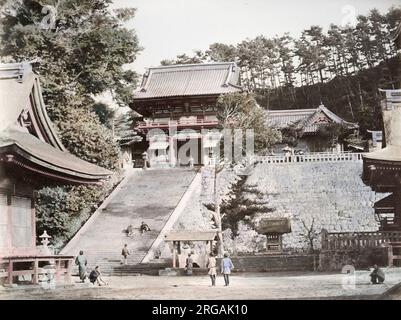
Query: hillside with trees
(342, 67)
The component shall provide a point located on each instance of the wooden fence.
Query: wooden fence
(311, 157)
(356, 240)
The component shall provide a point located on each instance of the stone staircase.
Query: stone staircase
(150, 196)
(331, 193)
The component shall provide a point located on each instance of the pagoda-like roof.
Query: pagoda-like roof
(308, 119)
(28, 141)
(27, 151)
(203, 79)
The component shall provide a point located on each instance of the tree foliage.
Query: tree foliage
(243, 201)
(341, 67)
(241, 111)
(78, 57)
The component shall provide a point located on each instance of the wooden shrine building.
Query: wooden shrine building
(382, 168)
(178, 104)
(308, 122)
(382, 171)
(31, 157)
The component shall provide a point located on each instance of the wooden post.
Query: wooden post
(390, 255)
(10, 271)
(58, 269)
(35, 279)
(174, 254)
(67, 278)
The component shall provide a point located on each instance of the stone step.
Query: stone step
(149, 196)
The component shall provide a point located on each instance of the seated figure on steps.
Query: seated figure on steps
(144, 227)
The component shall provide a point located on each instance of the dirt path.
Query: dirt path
(243, 286)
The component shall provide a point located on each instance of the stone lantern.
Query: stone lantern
(45, 242)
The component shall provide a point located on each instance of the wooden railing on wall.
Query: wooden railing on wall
(311, 157)
(355, 240)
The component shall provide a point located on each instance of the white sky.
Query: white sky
(169, 27)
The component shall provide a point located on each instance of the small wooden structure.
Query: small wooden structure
(274, 228)
(177, 237)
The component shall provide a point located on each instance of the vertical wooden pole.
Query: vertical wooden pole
(9, 236)
(33, 221)
(35, 279)
(10, 271)
(174, 254)
(58, 269)
(68, 272)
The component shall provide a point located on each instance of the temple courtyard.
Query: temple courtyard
(244, 286)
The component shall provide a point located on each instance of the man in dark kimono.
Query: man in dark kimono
(81, 262)
(377, 275)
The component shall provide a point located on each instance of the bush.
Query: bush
(84, 136)
(62, 211)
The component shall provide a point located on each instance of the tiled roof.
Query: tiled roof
(189, 80)
(285, 118)
(34, 138)
(307, 119)
(44, 155)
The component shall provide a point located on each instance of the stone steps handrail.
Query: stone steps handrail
(311, 157)
(350, 240)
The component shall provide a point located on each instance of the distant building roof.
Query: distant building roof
(27, 137)
(189, 80)
(308, 119)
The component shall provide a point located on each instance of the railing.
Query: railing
(62, 264)
(177, 123)
(311, 157)
(354, 240)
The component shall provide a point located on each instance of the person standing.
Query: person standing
(226, 267)
(191, 162)
(189, 264)
(145, 158)
(81, 262)
(125, 254)
(211, 264)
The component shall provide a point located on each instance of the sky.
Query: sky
(169, 27)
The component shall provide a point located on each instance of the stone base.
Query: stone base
(362, 258)
(169, 272)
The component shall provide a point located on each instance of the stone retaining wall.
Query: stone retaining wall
(268, 263)
(331, 194)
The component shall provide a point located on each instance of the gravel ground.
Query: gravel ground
(242, 287)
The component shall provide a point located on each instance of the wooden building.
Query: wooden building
(382, 168)
(308, 122)
(31, 157)
(178, 104)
